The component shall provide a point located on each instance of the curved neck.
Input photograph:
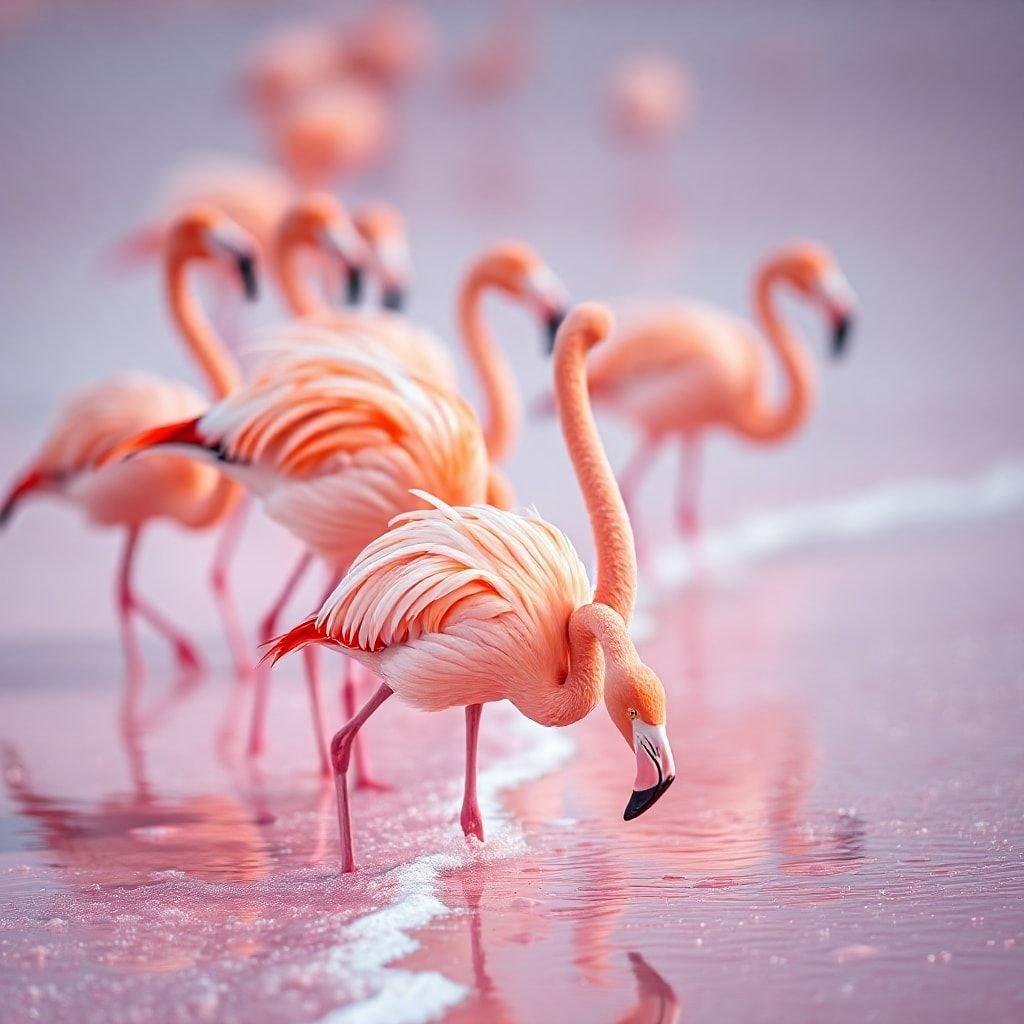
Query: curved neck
(503, 412)
(301, 297)
(613, 535)
(597, 637)
(209, 351)
(763, 420)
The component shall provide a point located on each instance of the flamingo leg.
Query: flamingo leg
(688, 488)
(630, 480)
(187, 656)
(471, 819)
(267, 631)
(126, 609)
(341, 753)
(227, 546)
(349, 691)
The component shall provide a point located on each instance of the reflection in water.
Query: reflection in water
(656, 999)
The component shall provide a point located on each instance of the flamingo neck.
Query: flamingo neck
(767, 421)
(613, 535)
(503, 412)
(209, 351)
(301, 297)
(598, 638)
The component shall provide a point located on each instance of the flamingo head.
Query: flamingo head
(318, 221)
(515, 269)
(814, 274)
(382, 228)
(204, 233)
(635, 699)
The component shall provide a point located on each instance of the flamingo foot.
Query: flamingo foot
(472, 821)
(187, 657)
(368, 782)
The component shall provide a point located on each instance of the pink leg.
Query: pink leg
(227, 546)
(316, 707)
(126, 609)
(267, 631)
(471, 819)
(688, 488)
(187, 656)
(341, 753)
(349, 691)
(630, 480)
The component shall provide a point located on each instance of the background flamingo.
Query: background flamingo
(99, 417)
(460, 606)
(677, 372)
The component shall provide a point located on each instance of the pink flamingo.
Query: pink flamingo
(383, 229)
(650, 97)
(332, 439)
(677, 372)
(460, 606)
(97, 418)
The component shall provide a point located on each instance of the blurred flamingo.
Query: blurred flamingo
(459, 606)
(679, 371)
(97, 418)
(650, 97)
(332, 439)
(333, 133)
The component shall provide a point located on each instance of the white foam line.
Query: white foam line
(998, 491)
(383, 936)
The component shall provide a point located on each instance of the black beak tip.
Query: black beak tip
(354, 285)
(393, 298)
(841, 336)
(554, 321)
(5, 513)
(247, 272)
(644, 799)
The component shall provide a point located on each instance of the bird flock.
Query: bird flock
(349, 429)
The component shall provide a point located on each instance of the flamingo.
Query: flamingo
(650, 97)
(456, 607)
(97, 418)
(332, 439)
(677, 372)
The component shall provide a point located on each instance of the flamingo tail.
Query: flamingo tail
(305, 633)
(183, 434)
(25, 484)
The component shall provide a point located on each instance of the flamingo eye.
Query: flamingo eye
(632, 713)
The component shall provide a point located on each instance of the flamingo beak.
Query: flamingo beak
(655, 769)
(554, 321)
(344, 243)
(231, 242)
(837, 297)
(29, 482)
(393, 298)
(549, 296)
(841, 327)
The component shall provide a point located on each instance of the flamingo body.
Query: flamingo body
(679, 369)
(97, 418)
(459, 606)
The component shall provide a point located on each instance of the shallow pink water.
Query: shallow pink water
(844, 841)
